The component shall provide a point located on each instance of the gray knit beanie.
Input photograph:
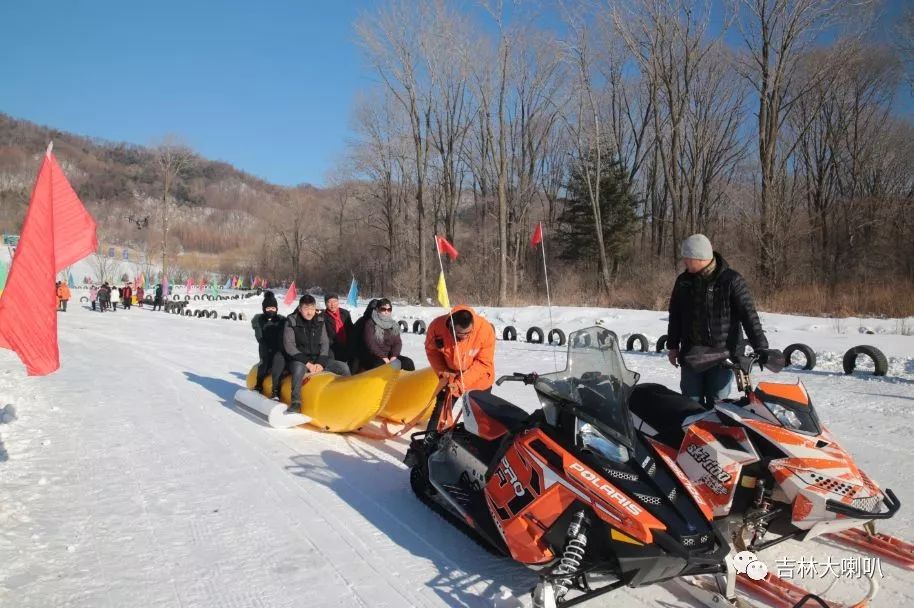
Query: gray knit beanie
(697, 247)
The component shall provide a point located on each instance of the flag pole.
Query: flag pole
(555, 359)
(450, 315)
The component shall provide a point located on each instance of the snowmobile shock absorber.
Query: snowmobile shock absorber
(573, 555)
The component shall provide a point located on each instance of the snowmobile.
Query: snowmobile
(766, 465)
(570, 490)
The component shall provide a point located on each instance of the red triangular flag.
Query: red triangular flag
(537, 235)
(445, 247)
(57, 232)
(291, 295)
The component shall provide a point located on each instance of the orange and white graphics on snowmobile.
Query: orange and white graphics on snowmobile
(815, 468)
(715, 468)
(537, 480)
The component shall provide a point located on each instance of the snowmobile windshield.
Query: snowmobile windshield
(596, 381)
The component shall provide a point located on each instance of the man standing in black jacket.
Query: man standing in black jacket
(268, 329)
(709, 306)
(307, 346)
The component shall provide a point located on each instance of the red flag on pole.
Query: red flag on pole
(291, 295)
(57, 232)
(537, 235)
(445, 247)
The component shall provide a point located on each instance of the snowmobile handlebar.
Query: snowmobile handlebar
(518, 377)
(888, 499)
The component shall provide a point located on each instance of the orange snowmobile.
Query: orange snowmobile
(570, 490)
(767, 465)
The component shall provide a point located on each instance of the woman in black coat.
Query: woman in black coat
(381, 339)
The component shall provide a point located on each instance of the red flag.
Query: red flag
(291, 294)
(537, 235)
(445, 247)
(57, 232)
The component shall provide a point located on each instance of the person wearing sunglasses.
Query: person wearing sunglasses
(462, 341)
(381, 338)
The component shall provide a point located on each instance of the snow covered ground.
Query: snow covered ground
(129, 478)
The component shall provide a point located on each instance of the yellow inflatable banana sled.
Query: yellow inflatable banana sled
(339, 404)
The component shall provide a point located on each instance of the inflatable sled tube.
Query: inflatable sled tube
(272, 411)
(339, 403)
(409, 394)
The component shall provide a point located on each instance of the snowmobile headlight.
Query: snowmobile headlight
(592, 439)
(787, 417)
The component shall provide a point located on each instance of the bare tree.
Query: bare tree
(392, 39)
(776, 34)
(174, 159)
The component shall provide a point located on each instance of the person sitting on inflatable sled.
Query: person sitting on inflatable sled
(307, 347)
(268, 330)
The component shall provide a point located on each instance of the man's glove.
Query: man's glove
(762, 356)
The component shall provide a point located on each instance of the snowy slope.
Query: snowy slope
(128, 478)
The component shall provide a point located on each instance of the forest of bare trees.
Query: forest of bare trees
(777, 129)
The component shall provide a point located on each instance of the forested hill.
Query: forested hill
(216, 209)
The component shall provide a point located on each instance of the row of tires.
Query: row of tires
(849, 361)
(201, 313)
(211, 298)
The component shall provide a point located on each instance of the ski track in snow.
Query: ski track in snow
(129, 478)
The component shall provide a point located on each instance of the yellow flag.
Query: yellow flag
(442, 292)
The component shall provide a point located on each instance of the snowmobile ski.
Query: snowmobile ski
(894, 550)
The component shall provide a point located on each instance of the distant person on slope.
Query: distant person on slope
(709, 307)
(157, 302)
(339, 328)
(63, 295)
(127, 296)
(381, 336)
(268, 329)
(307, 347)
(469, 362)
(115, 297)
(93, 296)
(104, 293)
(140, 294)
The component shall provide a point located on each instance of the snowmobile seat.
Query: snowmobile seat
(663, 410)
(508, 414)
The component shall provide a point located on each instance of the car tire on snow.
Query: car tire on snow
(535, 335)
(419, 327)
(509, 333)
(559, 336)
(404, 326)
(641, 339)
(878, 358)
(232, 316)
(661, 343)
(808, 352)
(84, 299)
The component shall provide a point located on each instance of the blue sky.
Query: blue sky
(267, 86)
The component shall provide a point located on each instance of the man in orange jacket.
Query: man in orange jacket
(63, 296)
(473, 353)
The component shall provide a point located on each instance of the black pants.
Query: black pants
(298, 371)
(372, 362)
(63, 305)
(273, 363)
(127, 303)
(93, 304)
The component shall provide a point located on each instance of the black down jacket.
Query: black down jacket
(713, 311)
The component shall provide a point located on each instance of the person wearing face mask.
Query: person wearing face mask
(381, 337)
(268, 329)
(461, 348)
(307, 347)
